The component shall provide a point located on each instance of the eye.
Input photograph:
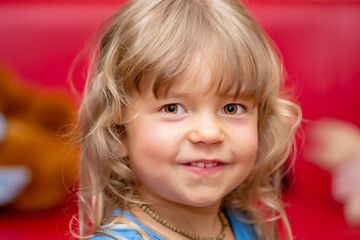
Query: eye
(173, 109)
(233, 109)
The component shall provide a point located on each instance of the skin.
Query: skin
(161, 144)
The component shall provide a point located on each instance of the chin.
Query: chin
(202, 202)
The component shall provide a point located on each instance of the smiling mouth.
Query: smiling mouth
(205, 164)
(205, 167)
(202, 164)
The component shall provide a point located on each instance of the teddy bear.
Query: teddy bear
(38, 165)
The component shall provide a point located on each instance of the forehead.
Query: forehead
(198, 78)
(199, 81)
(200, 49)
(210, 65)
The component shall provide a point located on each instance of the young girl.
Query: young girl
(184, 130)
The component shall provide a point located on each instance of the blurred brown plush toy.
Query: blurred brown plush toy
(37, 166)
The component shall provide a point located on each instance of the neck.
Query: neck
(202, 221)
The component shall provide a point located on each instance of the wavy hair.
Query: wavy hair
(170, 39)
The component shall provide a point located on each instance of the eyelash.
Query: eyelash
(177, 106)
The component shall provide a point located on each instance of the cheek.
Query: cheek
(151, 143)
(252, 146)
(246, 141)
(253, 141)
(248, 135)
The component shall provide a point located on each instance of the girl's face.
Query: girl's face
(190, 148)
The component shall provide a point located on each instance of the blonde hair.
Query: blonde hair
(171, 39)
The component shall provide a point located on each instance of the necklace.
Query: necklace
(164, 222)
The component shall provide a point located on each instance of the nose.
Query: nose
(206, 129)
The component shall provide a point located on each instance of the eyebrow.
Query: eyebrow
(179, 94)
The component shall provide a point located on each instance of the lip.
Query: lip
(206, 160)
(205, 171)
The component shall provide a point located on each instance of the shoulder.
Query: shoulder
(120, 233)
(241, 228)
(124, 231)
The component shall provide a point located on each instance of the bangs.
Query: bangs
(191, 43)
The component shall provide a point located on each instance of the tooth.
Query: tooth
(209, 165)
(200, 164)
(214, 164)
(193, 164)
